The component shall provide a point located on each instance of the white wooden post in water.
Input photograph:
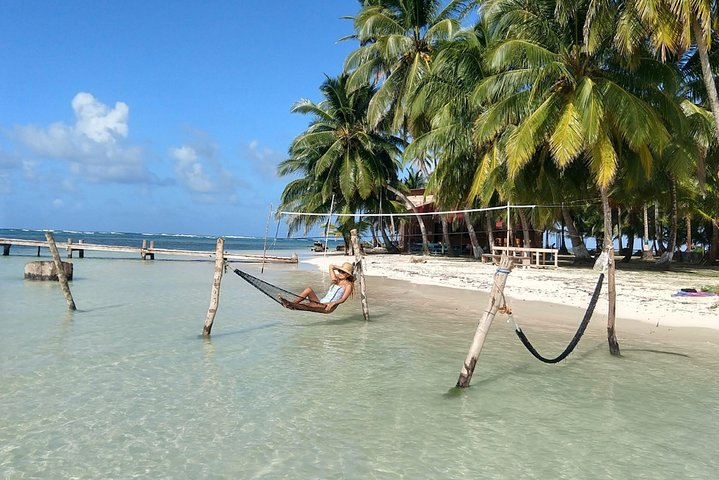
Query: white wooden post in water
(216, 282)
(500, 279)
(359, 272)
(60, 271)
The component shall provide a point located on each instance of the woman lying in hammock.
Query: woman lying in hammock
(342, 286)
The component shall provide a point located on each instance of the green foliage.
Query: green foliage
(339, 158)
(547, 101)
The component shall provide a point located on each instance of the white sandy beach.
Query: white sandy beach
(645, 296)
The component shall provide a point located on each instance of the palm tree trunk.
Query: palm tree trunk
(445, 234)
(373, 232)
(658, 234)
(527, 240)
(476, 249)
(490, 232)
(391, 247)
(707, 74)
(581, 254)
(714, 251)
(646, 251)
(619, 230)
(611, 275)
(630, 242)
(675, 217)
(689, 233)
(562, 246)
(666, 259)
(423, 229)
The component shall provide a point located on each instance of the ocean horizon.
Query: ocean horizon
(239, 243)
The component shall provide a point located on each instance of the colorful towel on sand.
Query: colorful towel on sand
(683, 293)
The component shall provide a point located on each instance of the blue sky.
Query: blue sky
(152, 116)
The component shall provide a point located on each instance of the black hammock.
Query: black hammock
(577, 335)
(283, 297)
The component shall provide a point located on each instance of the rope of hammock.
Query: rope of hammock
(575, 339)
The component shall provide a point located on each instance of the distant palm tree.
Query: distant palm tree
(339, 156)
(397, 39)
(414, 179)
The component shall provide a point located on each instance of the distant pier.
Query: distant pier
(146, 252)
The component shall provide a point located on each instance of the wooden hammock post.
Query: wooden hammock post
(216, 282)
(60, 271)
(359, 271)
(500, 279)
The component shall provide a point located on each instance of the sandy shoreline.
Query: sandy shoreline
(644, 296)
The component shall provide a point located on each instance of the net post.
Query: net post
(264, 250)
(359, 268)
(500, 279)
(216, 283)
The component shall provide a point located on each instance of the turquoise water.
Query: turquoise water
(126, 388)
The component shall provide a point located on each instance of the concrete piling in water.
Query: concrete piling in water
(46, 270)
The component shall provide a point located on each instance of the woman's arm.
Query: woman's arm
(333, 275)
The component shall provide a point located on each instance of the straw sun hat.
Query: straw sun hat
(346, 268)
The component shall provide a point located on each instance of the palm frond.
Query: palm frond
(567, 140)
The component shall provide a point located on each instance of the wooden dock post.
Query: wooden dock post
(60, 271)
(500, 279)
(144, 252)
(69, 248)
(82, 251)
(216, 282)
(359, 272)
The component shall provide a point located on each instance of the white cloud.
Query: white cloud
(58, 203)
(96, 121)
(92, 145)
(264, 160)
(199, 168)
(190, 171)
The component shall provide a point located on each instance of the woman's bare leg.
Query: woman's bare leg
(309, 294)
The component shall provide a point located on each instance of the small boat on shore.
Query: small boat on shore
(317, 247)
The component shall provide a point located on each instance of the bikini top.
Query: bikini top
(333, 294)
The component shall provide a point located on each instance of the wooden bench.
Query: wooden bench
(530, 257)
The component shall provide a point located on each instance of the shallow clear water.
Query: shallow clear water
(125, 387)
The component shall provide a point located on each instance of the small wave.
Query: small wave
(78, 232)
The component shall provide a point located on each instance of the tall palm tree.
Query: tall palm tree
(397, 39)
(673, 27)
(338, 155)
(551, 91)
